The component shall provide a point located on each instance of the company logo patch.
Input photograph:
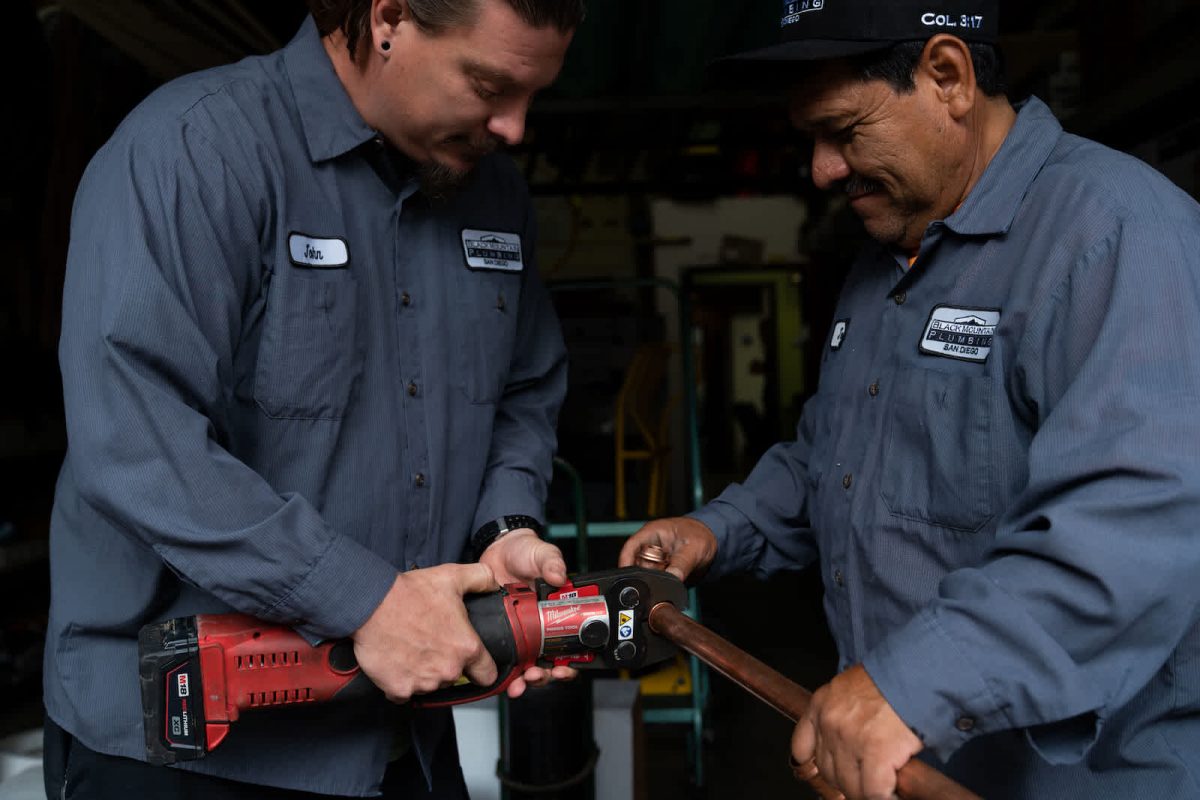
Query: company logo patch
(492, 250)
(792, 9)
(961, 333)
(839, 334)
(317, 253)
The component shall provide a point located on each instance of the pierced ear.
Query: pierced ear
(385, 17)
(946, 61)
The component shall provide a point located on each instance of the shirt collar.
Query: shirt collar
(992, 205)
(332, 125)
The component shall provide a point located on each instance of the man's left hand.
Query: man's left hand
(519, 556)
(858, 742)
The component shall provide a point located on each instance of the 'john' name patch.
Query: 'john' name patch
(309, 251)
(962, 333)
(492, 250)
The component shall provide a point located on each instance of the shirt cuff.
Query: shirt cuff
(933, 687)
(339, 593)
(508, 492)
(738, 545)
(1066, 742)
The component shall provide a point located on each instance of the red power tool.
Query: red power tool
(199, 673)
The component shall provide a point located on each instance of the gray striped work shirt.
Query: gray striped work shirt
(1000, 477)
(287, 377)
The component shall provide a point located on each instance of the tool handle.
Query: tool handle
(489, 617)
(916, 780)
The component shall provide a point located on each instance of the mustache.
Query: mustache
(857, 184)
(478, 147)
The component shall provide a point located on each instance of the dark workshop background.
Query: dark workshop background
(639, 175)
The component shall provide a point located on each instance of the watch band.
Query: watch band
(493, 530)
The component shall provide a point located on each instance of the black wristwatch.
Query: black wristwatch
(491, 531)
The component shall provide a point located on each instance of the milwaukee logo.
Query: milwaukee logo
(182, 681)
(557, 614)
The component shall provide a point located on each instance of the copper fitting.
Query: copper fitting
(652, 556)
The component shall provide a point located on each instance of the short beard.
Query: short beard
(441, 183)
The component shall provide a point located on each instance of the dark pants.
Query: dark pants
(73, 772)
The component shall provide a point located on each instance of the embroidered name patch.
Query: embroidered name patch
(839, 334)
(962, 333)
(309, 251)
(492, 250)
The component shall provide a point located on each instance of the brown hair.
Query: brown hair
(353, 17)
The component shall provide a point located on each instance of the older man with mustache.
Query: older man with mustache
(998, 473)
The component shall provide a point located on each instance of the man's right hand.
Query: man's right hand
(419, 638)
(690, 545)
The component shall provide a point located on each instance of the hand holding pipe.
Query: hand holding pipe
(915, 780)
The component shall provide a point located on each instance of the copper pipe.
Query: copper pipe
(916, 780)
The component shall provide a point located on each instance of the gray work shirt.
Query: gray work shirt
(287, 376)
(999, 476)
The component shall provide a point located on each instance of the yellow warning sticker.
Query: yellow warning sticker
(624, 625)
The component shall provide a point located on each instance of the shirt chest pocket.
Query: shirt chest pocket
(310, 356)
(485, 310)
(937, 455)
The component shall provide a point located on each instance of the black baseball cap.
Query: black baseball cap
(813, 30)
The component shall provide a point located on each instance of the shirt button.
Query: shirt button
(500, 304)
(847, 479)
(873, 389)
(405, 299)
(900, 297)
(965, 724)
(413, 566)
(838, 578)
(419, 479)
(412, 390)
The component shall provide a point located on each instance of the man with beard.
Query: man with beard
(997, 474)
(308, 366)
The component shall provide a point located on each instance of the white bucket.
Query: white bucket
(20, 753)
